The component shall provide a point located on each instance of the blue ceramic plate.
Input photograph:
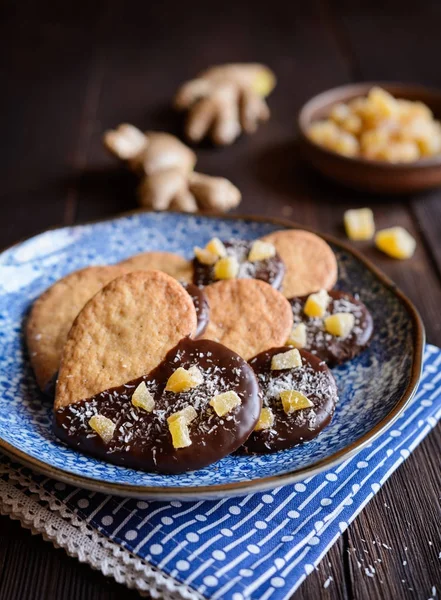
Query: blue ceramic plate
(374, 388)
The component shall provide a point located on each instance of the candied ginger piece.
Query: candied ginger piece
(383, 102)
(179, 431)
(316, 304)
(297, 337)
(226, 268)
(266, 420)
(103, 426)
(359, 224)
(352, 124)
(142, 398)
(183, 380)
(346, 144)
(340, 112)
(225, 402)
(188, 414)
(340, 324)
(396, 242)
(286, 360)
(204, 256)
(216, 247)
(261, 251)
(324, 133)
(292, 400)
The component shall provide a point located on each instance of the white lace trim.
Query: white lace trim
(44, 514)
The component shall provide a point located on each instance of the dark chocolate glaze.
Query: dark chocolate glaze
(201, 305)
(314, 379)
(271, 270)
(142, 439)
(335, 350)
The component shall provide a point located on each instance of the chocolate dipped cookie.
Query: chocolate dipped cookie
(298, 393)
(334, 326)
(198, 405)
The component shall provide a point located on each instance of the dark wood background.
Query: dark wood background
(70, 70)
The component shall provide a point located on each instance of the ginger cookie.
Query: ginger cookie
(247, 315)
(172, 264)
(334, 340)
(54, 312)
(309, 261)
(198, 405)
(123, 332)
(298, 393)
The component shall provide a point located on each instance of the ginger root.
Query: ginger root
(226, 100)
(165, 165)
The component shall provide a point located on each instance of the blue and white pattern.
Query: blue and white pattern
(261, 546)
(369, 386)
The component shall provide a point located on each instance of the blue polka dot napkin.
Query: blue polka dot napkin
(259, 546)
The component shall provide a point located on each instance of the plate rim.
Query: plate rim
(256, 485)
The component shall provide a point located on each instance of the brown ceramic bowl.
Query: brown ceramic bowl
(361, 173)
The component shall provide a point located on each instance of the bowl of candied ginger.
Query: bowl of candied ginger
(377, 137)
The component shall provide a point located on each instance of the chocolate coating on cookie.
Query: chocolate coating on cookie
(270, 270)
(142, 439)
(201, 305)
(335, 350)
(314, 380)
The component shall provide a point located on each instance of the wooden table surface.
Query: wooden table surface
(70, 70)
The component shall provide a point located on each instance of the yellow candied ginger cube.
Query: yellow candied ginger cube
(383, 103)
(226, 268)
(401, 152)
(352, 124)
(204, 256)
(316, 304)
(142, 398)
(292, 400)
(324, 133)
(286, 360)
(215, 246)
(179, 431)
(340, 324)
(346, 144)
(224, 403)
(374, 139)
(359, 224)
(266, 420)
(188, 414)
(409, 110)
(298, 336)
(183, 380)
(261, 251)
(340, 112)
(429, 139)
(396, 242)
(103, 426)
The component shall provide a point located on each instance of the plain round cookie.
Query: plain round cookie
(247, 315)
(54, 312)
(310, 262)
(174, 265)
(123, 332)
